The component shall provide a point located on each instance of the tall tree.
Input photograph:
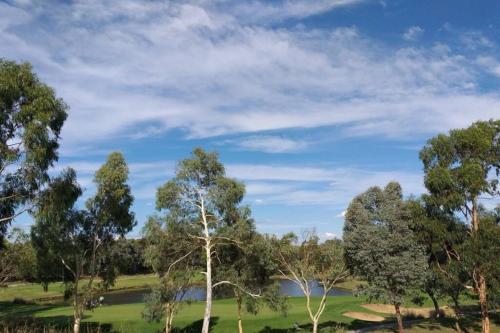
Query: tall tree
(381, 247)
(79, 239)
(310, 262)
(202, 196)
(461, 168)
(31, 119)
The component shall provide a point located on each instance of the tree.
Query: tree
(443, 237)
(17, 260)
(201, 196)
(31, 120)
(460, 169)
(168, 251)
(381, 247)
(311, 262)
(80, 239)
(249, 264)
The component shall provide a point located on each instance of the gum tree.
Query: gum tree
(79, 239)
(169, 252)
(310, 262)
(201, 196)
(248, 264)
(31, 119)
(462, 168)
(381, 247)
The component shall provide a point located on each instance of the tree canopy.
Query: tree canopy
(31, 120)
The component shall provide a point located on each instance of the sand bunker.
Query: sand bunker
(415, 312)
(363, 316)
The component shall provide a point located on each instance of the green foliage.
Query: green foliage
(80, 241)
(31, 120)
(381, 247)
(457, 166)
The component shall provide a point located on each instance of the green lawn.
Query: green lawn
(127, 318)
(34, 291)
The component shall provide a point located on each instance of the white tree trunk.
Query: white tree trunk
(315, 326)
(208, 304)
(76, 326)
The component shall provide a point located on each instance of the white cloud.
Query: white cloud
(199, 67)
(413, 33)
(331, 235)
(272, 144)
(490, 64)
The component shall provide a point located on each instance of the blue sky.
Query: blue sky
(308, 102)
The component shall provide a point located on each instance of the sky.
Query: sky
(308, 102)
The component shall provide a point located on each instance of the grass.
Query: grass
(127, 318)
(34, 291)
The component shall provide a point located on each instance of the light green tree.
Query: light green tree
(201, 196)
(309, 262)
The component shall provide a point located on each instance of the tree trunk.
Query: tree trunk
(168, 318)
(483, 303)
(208, 304)
(456, 308)
(76, 326)
(315, 326)
(399, 318)
(437, 313)
(240, 322)
(77, 312)
(481, 280)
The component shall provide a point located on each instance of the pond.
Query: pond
(197, 293)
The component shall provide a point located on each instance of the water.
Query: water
(287, 288)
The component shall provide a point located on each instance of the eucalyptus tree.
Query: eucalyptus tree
(201, 196)
(462, 168)
(309, 262)
(443, 237)
(381, 247)
(79, 238)
(31, 119)
(249, 265)
(169, 252)
(17, 260)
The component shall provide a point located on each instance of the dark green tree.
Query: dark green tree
(17, 258)
(443, 236)
(381, 247)
(80, 239)
(31, 118)
(460, 169)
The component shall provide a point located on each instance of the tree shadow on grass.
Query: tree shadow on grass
(324, 326)
(60, 324)
(195, 327)
(22, 318)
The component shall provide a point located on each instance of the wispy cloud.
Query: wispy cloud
(413, 33)
(272, 144)
(129, 64)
